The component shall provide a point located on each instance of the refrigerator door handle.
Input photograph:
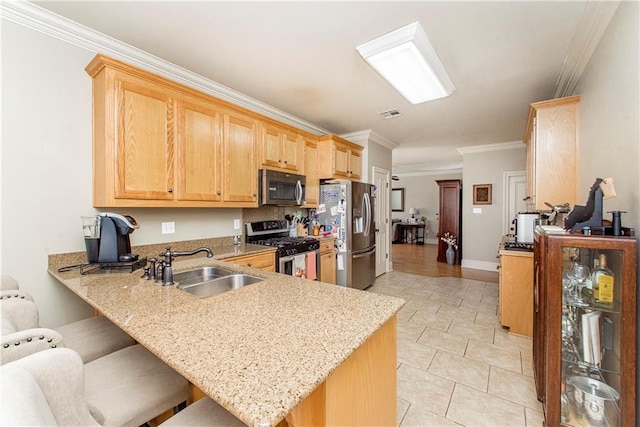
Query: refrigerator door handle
(363, 254)
(367, 207)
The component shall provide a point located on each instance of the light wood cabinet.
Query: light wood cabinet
(239, 159)
(139, 152)
(199, 152)
(339, 158)
(261, 260)
(281, 149)
(327, 261)
(157, 143)
(312, 189)
(552, 167)
(515, 297)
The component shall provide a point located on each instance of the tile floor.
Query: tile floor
(456, 365)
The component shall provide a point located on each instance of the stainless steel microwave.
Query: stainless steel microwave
(281, 188)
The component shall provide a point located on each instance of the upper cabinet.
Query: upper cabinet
(157, 143)
(199, 152)
(552, 166)
(312, 189)
(281, 149)
(339, 158)
(239, 154)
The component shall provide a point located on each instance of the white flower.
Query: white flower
(450, 239)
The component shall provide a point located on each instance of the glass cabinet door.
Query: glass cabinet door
(590, 336)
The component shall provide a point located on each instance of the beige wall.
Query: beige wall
(610, 122)
(422, 192)
(46, 170)
(482, 232)
(610, 115)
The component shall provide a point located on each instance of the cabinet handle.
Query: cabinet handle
(279, 161)
(285, 162)
(248, 264)
(218, 193)
(255, 195)
(170, 190)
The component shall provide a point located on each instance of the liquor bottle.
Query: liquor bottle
(602, 279)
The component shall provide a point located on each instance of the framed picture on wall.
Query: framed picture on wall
(397, 199)
(482, 194)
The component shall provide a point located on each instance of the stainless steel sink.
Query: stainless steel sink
(200, 275)
(218, 285)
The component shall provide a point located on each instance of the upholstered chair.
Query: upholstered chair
(125, 384)
(91, 338)
(47, 388)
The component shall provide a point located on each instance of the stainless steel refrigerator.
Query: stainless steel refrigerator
(346, 208)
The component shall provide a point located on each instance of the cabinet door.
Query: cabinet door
(340, 160)
(516, 288)
(355, 164)
(271, 146)
(199, 153)
(145, 141)
(292, 151)
(328, 268)
(312, 190)
(239, 156)
(555, 167)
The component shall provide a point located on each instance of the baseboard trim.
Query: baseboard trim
(480, 265)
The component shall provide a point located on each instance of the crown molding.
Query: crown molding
(43, 21)
(592, 25)
(427, 173)
(368, 135)
(491, 147)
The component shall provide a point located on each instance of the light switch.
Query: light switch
(477, 210)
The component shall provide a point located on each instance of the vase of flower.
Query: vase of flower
(452, 245)
(451, 255)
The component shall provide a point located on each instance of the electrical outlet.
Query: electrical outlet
(168, 227)
(236, 224)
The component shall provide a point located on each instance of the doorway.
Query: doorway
(382, 181)
(515, 190)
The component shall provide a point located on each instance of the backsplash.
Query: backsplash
(269, 213)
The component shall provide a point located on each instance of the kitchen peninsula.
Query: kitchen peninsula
(283, 349)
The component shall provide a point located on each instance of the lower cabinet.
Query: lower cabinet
(515, 298)
(263, 260)
(327, 261)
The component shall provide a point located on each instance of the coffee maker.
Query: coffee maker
(106, 238)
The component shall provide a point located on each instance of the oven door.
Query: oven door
(296, 265)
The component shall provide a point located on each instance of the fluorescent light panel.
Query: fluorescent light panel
(406, 59)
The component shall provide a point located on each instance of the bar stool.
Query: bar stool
(91, 338)
(46, 388)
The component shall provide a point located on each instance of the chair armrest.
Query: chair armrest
(15, 293)
(19, 344)
(18, 314)
(59, 376)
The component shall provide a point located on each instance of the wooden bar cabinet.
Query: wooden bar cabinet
(584, 347)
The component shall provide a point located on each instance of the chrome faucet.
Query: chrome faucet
(167, 271)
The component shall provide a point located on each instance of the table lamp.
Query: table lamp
(412, 212)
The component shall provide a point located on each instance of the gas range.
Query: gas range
(276, 234)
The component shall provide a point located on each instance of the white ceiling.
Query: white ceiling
(300, 57)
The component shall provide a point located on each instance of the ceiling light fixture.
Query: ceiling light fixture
(407, 60)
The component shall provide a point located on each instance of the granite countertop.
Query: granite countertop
(259, 350)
